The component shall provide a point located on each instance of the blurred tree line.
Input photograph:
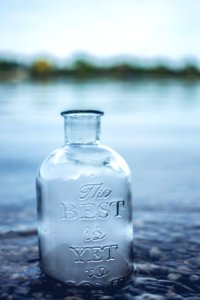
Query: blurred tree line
(43, 69)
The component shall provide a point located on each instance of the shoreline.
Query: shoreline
(80, 70)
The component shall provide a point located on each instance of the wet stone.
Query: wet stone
(174, 276)
(37, 295)
(194, 278)
(106, 298)
(183, 269)
(149, 297)
(173, 296)
(15, 276)
(36, 282)
(161, 271)
(155, 252)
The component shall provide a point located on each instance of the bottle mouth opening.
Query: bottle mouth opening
(82, 112)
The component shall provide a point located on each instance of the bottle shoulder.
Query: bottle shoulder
(84, 158)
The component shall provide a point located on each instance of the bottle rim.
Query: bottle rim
(82, 111)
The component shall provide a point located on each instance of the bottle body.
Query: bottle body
(85, 216)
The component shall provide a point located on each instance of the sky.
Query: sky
(105, 28)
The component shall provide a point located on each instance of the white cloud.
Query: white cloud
(145, 27)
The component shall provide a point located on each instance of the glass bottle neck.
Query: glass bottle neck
(82, 128)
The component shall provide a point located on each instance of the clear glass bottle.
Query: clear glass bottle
(84, 208)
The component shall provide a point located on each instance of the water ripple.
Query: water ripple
(163, 270)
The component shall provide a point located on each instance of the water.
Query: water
(156, 128)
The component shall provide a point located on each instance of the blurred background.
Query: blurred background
(139, 62)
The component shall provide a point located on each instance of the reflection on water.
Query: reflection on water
(156, 127)
(113, 97)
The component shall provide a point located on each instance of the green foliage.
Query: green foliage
(41, 68)
(84, 69)
(8, 65)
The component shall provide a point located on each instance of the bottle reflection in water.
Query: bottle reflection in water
(84, 208)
